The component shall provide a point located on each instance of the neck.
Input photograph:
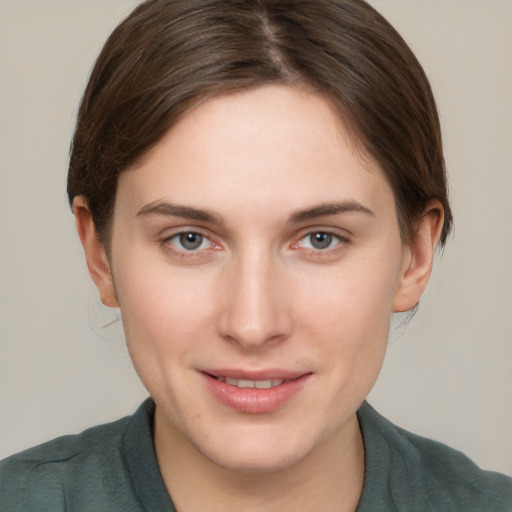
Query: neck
(328, 479)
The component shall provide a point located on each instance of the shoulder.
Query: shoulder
(42, 478)
(428, 473)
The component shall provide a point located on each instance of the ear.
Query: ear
(95, 254)
(418, 258)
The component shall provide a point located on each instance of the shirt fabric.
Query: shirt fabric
(113, 468)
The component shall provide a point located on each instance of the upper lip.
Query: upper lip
(255, 375)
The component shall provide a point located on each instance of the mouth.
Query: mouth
(255, 392)
(255, 384)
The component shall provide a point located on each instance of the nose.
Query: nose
(255, 305)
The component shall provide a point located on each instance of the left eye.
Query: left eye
(190, 241)
(319, 240)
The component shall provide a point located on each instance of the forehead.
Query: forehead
(267, 146)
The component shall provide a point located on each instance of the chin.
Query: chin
(259, 463)
(258, 452)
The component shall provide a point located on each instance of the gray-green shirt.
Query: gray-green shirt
(113, 468)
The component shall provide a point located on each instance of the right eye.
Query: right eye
(189, 241)
(320, 240)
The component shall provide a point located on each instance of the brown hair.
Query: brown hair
(169, 55)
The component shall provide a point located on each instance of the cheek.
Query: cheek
(163, 309)
(354, 299)
(349, 316)
(164, 318)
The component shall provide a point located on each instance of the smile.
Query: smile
(255, 384)
(256, 392)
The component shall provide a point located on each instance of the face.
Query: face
(257, 261)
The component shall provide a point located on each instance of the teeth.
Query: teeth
(263, 384)
(258, 384)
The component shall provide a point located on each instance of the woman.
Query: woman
(258, 186)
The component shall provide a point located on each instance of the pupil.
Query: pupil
(321, 240)
(191, 241)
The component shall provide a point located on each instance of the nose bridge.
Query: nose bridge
(255, 311)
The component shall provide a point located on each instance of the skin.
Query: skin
(256, 294)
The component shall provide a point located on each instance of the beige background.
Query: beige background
(448, 375)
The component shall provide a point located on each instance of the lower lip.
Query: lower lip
(252, 400)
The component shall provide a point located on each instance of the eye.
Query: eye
(189, 241)
(320, 240)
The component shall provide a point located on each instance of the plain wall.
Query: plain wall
(447, 375)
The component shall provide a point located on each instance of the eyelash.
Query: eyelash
(328, 252)
(168, 245)
(330, 237)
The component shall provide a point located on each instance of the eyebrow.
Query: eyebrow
(165, 208)
(329, 209)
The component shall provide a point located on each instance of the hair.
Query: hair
(168, 56)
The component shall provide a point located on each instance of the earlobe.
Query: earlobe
(419, 258)
(95, 254)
